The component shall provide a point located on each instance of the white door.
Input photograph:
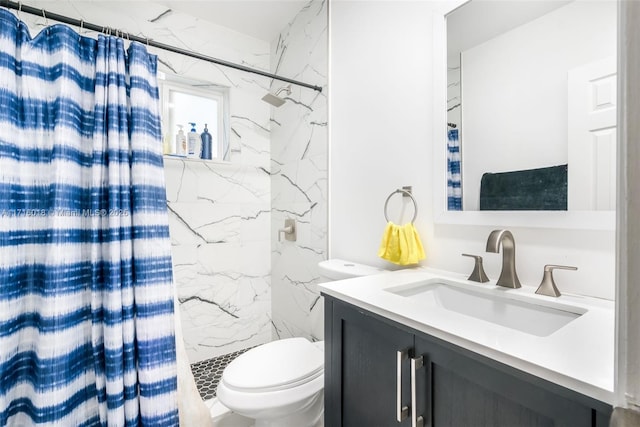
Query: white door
(592, 105)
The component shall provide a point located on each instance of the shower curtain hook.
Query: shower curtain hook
(19, 10)
(46, 20)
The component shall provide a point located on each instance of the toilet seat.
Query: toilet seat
(275, 366)
(275, 380)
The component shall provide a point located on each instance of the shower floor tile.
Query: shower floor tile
(207, 373)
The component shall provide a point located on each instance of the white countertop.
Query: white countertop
(578, 356)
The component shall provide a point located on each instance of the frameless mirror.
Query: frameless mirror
(531, 105)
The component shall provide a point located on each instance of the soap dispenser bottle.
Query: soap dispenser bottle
(193, 142)
(207, 143)
(181, 142)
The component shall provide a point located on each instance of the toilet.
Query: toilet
(281, 383)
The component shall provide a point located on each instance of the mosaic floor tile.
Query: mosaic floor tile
(207, 373)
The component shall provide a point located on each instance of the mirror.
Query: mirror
(531, 106)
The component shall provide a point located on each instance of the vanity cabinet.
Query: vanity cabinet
(453, 386)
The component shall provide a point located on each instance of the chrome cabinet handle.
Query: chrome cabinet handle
(416, 421)
(402, 412)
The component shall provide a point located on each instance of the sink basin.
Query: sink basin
(491, 305)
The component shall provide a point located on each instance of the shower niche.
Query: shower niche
(186, 101)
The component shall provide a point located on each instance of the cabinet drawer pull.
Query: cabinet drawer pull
(416, 421)
(402, 412)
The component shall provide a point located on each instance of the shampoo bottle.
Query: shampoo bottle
(181, 143)
(193, 142)
(207, 143)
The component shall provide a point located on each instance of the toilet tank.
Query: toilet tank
(338, 269)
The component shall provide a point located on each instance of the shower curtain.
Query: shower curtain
(86, 293)
(454, 188)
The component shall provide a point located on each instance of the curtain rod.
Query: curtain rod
(101, 29)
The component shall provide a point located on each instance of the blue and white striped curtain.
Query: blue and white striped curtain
(86, 293)
(454, 188)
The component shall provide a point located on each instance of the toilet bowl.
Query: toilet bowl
(277, 384)
(281, 383)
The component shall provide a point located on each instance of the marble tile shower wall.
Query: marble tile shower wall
(220, 218)
(299, 175)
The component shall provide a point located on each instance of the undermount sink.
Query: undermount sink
(491, 305)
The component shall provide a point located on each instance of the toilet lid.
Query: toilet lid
(274, 366)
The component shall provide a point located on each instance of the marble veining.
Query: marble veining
(220, 221)
(299, 175)
(454, 95)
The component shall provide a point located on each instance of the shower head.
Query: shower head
(274, 99)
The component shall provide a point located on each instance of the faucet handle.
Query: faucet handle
(478, 274)
(548, 285)
(289, 230)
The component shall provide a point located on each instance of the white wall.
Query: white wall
(515, 91)
(380, 139)
(380, 113)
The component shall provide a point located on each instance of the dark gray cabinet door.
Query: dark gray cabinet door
(361, 382)
(454, 388)
(470, 390)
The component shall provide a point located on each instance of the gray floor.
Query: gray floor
(207, 373)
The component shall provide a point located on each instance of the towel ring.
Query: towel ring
(404, 193)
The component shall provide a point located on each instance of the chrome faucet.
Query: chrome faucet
(508, 276)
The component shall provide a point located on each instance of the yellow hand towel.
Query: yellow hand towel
(401, 244)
